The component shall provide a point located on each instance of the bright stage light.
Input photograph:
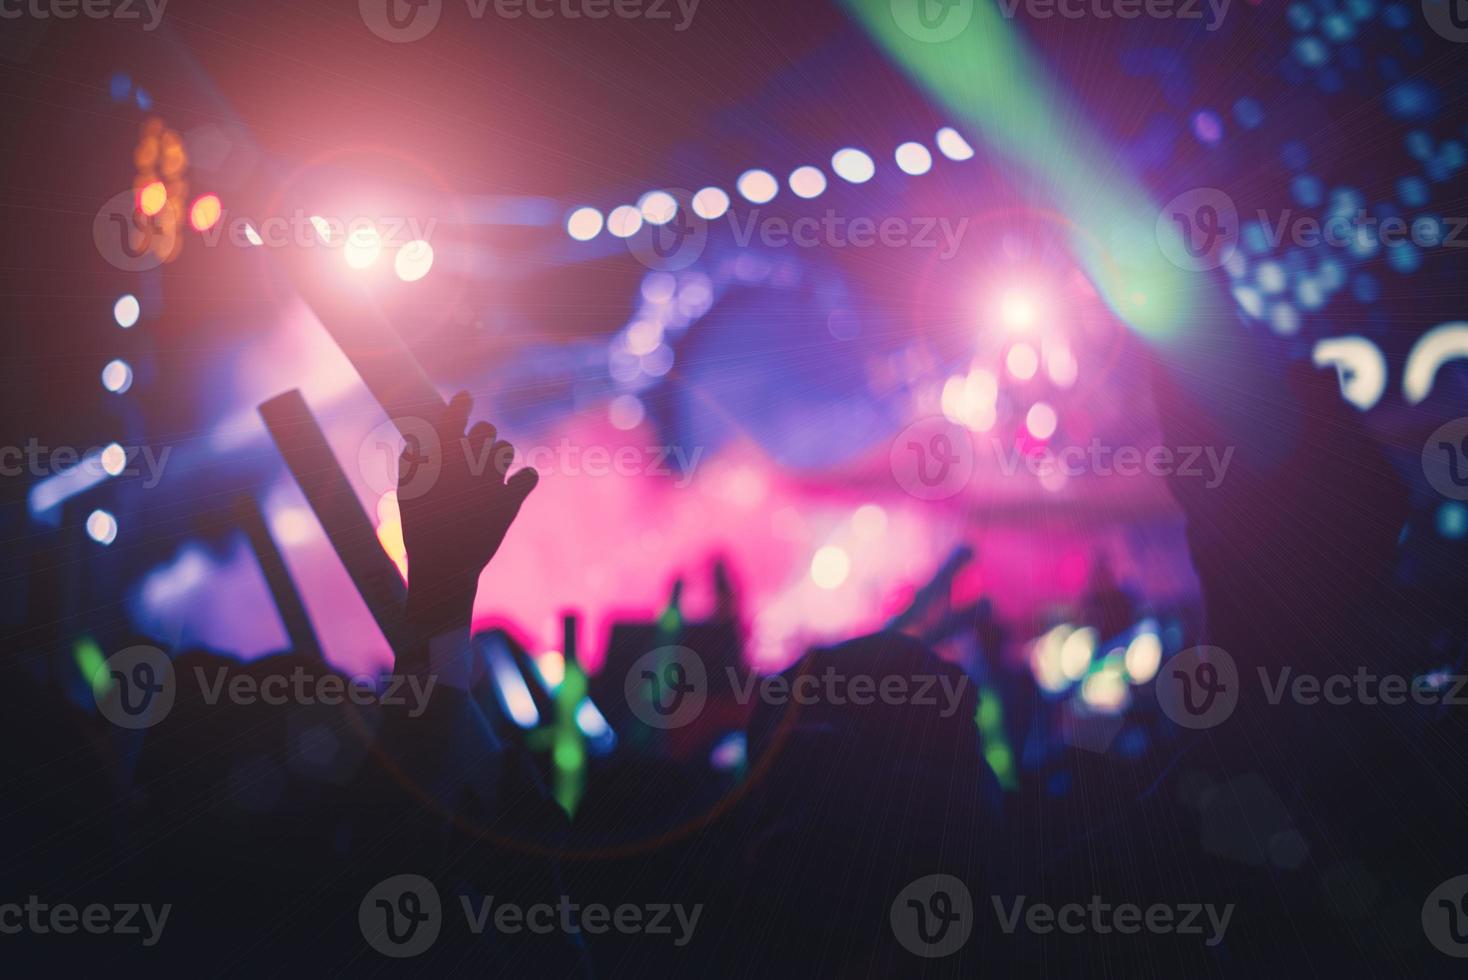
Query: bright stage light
(551, 666)
(152, 198)
(323, 229)
(117, 377)
(644, 336)
(758, 186)
(253, 236)
(1076, 652)
(953, 146)
(914, 159)
(1041, 420)
(1022, 361)
(584, 224)
(807, 182)
(853, 165)
(205, 212)
(657, 207)
(126, 310)
(1060, 362)
(1143, 657)
(1017, 310)
(102, 527)
(114, 459)
(829, 567)
(710, 203)
(413, 261)
(362, 247)
(624, 221)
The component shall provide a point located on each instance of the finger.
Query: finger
(502, 457)
(455, 417)
(520, 485)
(481, 436)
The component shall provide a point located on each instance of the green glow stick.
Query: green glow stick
(974, 63)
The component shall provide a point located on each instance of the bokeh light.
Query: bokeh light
(657, 207)
(853, 165)
(624, 221)
(1017, 310)
(152, 198)
(413, 261)
(117, 376)
(114, 459)
(101, 527)
(953, 146)
(205, 212)
(1041, 421)
(914, 159)
(758, 186)
(1022, 361)
(807, 182)
(830, 567)
(584, 224)
(1143, 656)
(126, 310)
(710, 203)
(362, 247)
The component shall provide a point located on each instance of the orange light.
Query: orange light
(205, 212)
(152, 198)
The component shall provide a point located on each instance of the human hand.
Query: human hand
(453, 526)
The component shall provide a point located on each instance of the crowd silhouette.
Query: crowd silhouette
(270, 828)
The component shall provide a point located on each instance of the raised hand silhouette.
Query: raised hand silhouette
(457, 514)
